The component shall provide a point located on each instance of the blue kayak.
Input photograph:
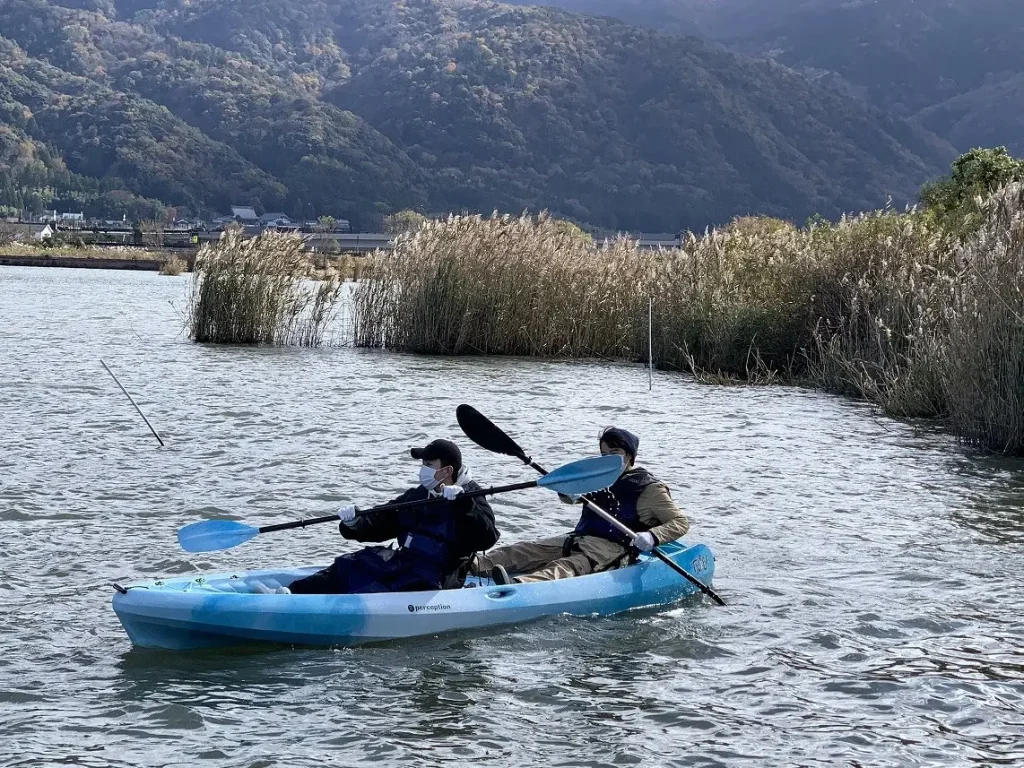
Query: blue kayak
(211, 611)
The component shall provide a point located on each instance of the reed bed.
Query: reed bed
(260, 291)
(981, 359)
(173, 266)
(887, 306)
(503, 286)
(879, 288)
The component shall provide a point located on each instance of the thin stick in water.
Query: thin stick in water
(650, 343)
(155, 433)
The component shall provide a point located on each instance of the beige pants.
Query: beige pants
(535, 561)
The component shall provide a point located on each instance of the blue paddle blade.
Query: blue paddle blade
(211, 535)
(585, 475)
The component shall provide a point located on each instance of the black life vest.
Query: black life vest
(428, 554)
(620, 502)
(429, 531)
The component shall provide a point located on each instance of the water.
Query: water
(872, 570)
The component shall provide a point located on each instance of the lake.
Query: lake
(873, 569)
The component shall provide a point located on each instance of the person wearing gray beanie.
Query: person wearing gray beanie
(637, 499)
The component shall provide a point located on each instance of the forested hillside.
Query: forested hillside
(955, 66)
(361, 107)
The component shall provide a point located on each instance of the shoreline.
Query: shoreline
(145, 261)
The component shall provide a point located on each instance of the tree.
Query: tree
(566, 227)
(8, 232)
(975, 174)
(325, 224)
(403, 221)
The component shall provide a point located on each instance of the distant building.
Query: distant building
(275, 219)
(340, 225)
(244, 214)
(45, 233)
(55, 217)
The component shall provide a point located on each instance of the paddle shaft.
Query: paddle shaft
(625, 529)
(398, 506)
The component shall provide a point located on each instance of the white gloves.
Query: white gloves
(644, 541)
(347, 513)
(451, 491)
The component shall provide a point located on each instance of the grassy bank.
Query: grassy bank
(888, 306)
(167, 262)
(106, 253)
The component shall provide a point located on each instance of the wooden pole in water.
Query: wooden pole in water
(650, 343)
(155, 433)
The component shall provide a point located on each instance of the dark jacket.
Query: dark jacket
(434, 541)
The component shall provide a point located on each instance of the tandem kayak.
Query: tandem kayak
(220, 610)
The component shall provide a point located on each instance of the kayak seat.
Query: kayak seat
(249, 585)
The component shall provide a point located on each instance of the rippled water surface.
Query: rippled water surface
(873, 571)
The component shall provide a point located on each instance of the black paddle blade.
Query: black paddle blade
(481, 431)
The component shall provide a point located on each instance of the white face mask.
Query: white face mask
(427, 479)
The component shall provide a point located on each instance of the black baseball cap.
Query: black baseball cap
(445, 450)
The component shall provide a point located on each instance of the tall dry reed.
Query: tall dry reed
(730, 304)
(878, 287)
(503, 285)
(259, 291)
(982, 357)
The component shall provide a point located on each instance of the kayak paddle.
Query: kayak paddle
(484, 433)
(583, 476)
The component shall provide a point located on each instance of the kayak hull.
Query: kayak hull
(220, 610)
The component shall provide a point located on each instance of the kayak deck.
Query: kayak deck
(218, 610)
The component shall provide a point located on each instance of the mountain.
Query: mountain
(953, 66)
(675, 17)
(361, 107)
(950, 64)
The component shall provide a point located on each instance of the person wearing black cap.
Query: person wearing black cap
(637, 499)
(434, 543)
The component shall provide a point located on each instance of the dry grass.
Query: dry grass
(981, 359)
(729, 304)
(502, 285)
(123, 253)
(878, 298)
(885, 306)
(259, 291)
(173, 267)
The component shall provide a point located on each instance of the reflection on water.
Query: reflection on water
(872, 569)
